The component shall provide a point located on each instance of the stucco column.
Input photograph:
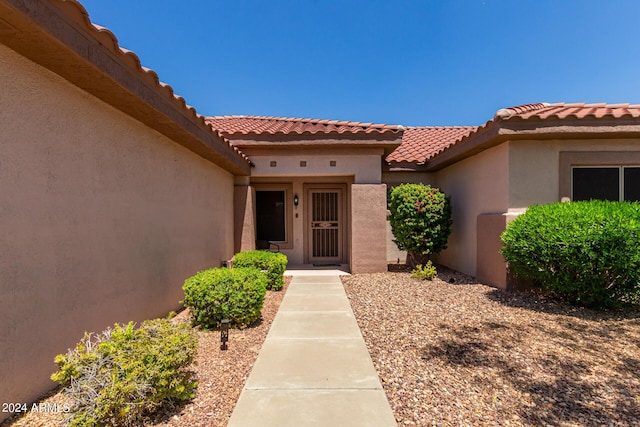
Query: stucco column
(368, 228)
(244, 232)
(491, 266)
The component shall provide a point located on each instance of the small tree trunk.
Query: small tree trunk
(416, 259)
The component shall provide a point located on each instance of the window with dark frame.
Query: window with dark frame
(632, 184)
(605, 183)
(271, 215)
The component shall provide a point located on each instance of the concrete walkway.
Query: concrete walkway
(314, 368)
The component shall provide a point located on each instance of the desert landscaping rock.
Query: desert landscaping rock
(450, 354)
(465, 354)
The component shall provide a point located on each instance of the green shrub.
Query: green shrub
(424, 272)
(274, 263)
(420, 220)
(586, 252)
(236, 294)
(124, 374)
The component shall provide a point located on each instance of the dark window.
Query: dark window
(596, 183)
(632, 184)
(270, 213)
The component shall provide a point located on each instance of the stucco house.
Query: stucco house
(535, 153)
(315, 188)
(530, 154)
(113, 190)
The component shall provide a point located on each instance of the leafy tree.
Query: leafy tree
(420, 220)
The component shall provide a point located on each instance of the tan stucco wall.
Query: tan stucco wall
(535, 176)
(244, 217)
(477, 185)
(296, 253)
(368, 220)
(101, 220)
(364, 164)
(393, 179)
(491, 267)
(491, 188)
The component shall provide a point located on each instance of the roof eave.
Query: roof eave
(389, 141)
(494, 133)
(268, 137)
(58, 36)
(403, 166)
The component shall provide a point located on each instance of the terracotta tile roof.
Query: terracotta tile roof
(76, 11)
(536, 120)
(560, 111)
(421, 143)
(245, 125)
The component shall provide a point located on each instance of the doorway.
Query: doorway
(325, 225)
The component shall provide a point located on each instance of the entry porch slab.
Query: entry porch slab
(313, 408)
(314, 368)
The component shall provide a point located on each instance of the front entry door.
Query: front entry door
(325, 226)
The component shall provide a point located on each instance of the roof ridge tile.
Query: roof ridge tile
(554, 111)
(271, 124)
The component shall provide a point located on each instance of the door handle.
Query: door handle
(324, 224)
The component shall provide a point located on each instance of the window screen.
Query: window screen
(632, 184)
(596, 183)
(270, 213)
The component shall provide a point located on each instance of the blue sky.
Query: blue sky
(398, 62)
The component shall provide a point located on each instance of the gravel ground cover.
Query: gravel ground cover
(465, 354)
(449, 354)
(221, 376)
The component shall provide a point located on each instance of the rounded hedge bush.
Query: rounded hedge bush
(236, 294)
(420, 220)
(274, 263)
(586, 252)
(124, 374)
